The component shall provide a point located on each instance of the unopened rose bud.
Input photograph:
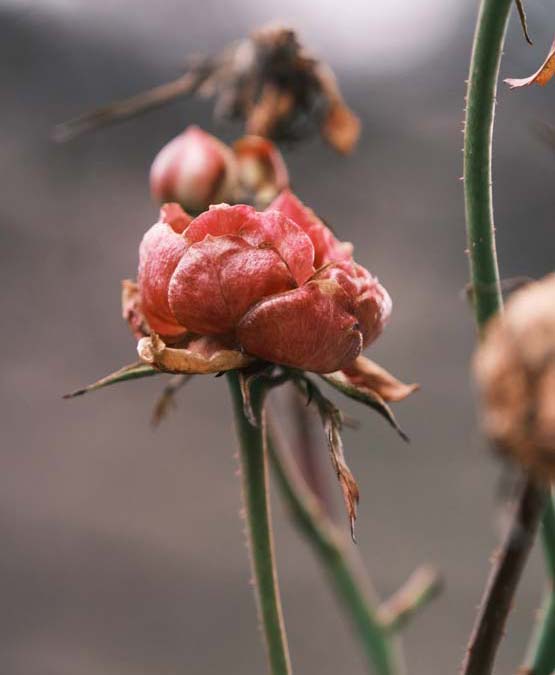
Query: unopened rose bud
(195, 169)
(278, 289)
(262, 171)
(515, 370)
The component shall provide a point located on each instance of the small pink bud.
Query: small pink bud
(195, 169)
(262, 171)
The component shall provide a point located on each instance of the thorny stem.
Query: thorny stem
(254, 470)
(347, 578)
(541, 653)
(482, 86)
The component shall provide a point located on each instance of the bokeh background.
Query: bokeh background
(122, 548)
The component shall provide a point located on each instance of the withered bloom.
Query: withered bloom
(196, 169)
(273, 285)
(515, 370)
(268, 81)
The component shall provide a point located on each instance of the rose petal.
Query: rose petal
(172, 214)
(364, 373)
(312, 327)
(326, 247)
(201, 356)
(258, 229)
(371, 300)
(159, 253)
(219, 278)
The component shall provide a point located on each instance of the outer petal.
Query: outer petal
(326, 247)
(195, 169)
(312, 327)
(160, 251)
(270, 230)
(219, 278)
(371, 301)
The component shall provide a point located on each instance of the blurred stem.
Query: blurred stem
(541, 653)
(254, 471)
(348, 579)
(487, 49)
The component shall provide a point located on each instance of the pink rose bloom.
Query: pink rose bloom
(275, 284)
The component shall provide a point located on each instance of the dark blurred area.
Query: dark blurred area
(122, 546)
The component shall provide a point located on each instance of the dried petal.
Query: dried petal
(219, 278)
(131, 309)
(159, 253)
(312, 327)
(364, 373)
(259, 230)
(541, 76)
(341, 127)
(326, 247)
(200, 356)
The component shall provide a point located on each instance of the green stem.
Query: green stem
(480, 112)
(541, 653)
(349, 581)
(484, 273)
(254, 470)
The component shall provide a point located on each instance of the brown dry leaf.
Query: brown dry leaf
(341, 127)
(370, 375)
(332, 421)
(541, 76)
(166, 400)
(201, 356)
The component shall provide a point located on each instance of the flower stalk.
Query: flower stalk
(254, 471)
(347, 578)
(484, 272)
(541, 653)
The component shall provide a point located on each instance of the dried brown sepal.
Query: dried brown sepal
(332, 422)
(166, 400)
(201, 356)
(370, 375)
(340, 127)
(369, 397)
(515, 371)
(135, 371)
(131, 309)
(542, 76)
(523, 21)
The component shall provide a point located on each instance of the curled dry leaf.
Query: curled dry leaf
(200, 356)
(368, 374)
(541, 76)
(515, 370)
(135, 371)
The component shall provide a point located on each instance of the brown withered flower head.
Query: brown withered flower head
(268, 81)
(515, 371)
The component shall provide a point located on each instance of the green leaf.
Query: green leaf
(134, 371)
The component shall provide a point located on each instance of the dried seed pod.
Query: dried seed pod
(515, 371)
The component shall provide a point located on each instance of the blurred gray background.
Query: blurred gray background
(122, 548)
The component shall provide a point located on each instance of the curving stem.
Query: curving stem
(254, 471)
(482, 86)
